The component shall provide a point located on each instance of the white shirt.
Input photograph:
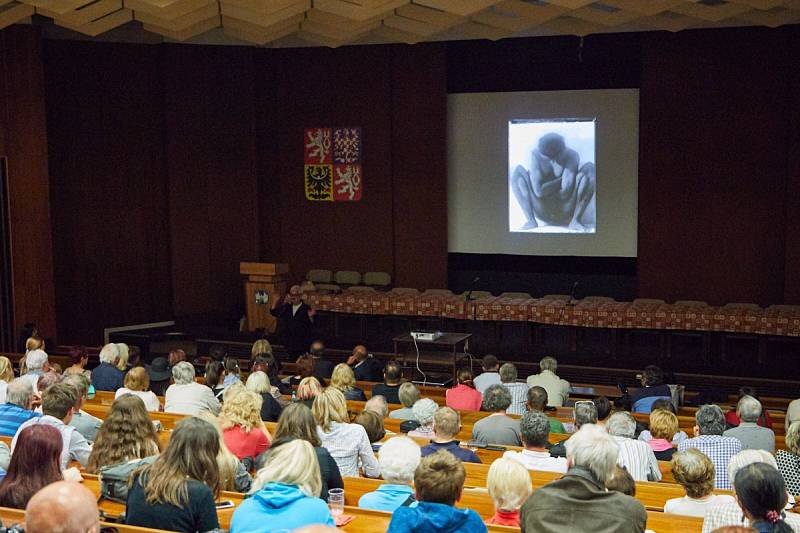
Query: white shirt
(149, 398)
(74, 445)
(687, 506)
(190, 399)
(519, 395)
(295, 307)
(3, 390)
(557, 388)
(540, 461)
(730, 514)
(486, 380)
(347, 444)
(638, 458)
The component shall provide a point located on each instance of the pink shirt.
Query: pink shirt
(242, 444)
(464, 398)
(659, 445)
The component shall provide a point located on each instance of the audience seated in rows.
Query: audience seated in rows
(789, 459)
(307, 391)
(322, 368)
(446, 425)
(557, 388)
(347, 443)
(438, 483)
(344, 380)
(86, 424)
(19, 406)
(497, 428)
(749, 433)
(424, 411)
(663, 427)
(534, 433)
(244, 432)
(285, 491)
(695, 472)
(584, 413)
(519, 391)
(464, 397)
(365, 367)
(258, 382)
(186, 396)
(399, 458)
(408, 393)
(634, 455)
(490, 375)
(137, 383)
(392, 378)
(63, 506)
(35, 463)
(732, 416)
(106, 376)
(710, 423)
(509, 485)
(234, 474)
(592, 457)
(665, 405)
(537, 401)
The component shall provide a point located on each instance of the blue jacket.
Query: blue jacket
(279, 506)
(429, 517)
(387, 498)
(467, 456)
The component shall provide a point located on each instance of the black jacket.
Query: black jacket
(270, 408)
(296, 328)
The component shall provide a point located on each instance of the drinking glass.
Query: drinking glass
(336, 502)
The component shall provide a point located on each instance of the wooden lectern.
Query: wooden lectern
(264, 282)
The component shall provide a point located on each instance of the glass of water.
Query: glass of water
(336, 502)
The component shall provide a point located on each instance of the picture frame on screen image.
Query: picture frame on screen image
(552, 178)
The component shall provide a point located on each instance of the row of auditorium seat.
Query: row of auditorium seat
(327, 280)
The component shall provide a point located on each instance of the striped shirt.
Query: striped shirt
(519, 396)
(720, 450)
(349, 445)
(12, 417)
(638, 459)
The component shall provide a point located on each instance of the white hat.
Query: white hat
(35, 359)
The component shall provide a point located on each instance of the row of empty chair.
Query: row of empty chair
(327, 280)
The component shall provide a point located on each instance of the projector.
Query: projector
(425, 336)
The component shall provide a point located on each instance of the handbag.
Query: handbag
(114, 478)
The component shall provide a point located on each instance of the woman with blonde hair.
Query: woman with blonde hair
(6, 375)
(244, 432)
(137, 383)
(258, 382)
(34, 342)
(124, 355)
(694, 471)
(233, 474)
(789, 459)
(285, 492)
(344, 379)
(509, 485)
(177, 492)
(347, 443)
(126, 434)
(308, 390)
(663, 427)
(260, 347)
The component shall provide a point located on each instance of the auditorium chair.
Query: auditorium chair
(347, 278)
(379, 280)
(516, 295)
(322, 280)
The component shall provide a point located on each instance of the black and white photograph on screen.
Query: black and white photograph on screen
(552, 176)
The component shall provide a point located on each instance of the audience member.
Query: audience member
(579, 501)
(214, 376)
(85, 423)
(233, 474)
(464, 397)
(344, 380)
(127, 434)
(347, 443)
(665, 405)
(694, 471)
(137, 383)
(6, 377)
(497, 428)
(106, 376)
(490, 375)
(232, 372)
(243, 430)
(789, 459)
(749, 433)
(322, 368)
(365, 367)
(534, 432)
(124, 355)
(604, 409)
(295, 321)
(177, 491)
(297, 422)
(710, 423)
(63, 506)
(663, 427)
(260, 347)
(47, 379)
(584, 413)
(438, 482)
(35, 463)
(307, 391)
(160, 375)
(424, 410)
(408, 394)
(304, 366)
(519, 391)
(509, 485)
(761, 493)
(392, 378)
(732, 417)
(58, 406)
(19, 407)
(399, 458)
(258, 382)
(176, 356)
(37, 365)
(634, 455)
(793, 412)
(186, 396)
(557, 388)
(653, 387)
(377, 404)
(537, 401)
(622, 481)
(373, 424)
(285, 491)
(78, 359)
(446, 425)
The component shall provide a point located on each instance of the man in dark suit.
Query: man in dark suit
(365, 367)
(323, 368)
(295, 321)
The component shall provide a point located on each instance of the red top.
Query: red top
(243, 444)
(464, 398)
(732, 419)
(505, 518)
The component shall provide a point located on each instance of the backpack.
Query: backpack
(114, 479)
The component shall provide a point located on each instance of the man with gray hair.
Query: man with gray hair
(535, 432)
(19, 407)
(106, 376)
(635, 456)
(378, 404)
(557, 388)
(579, 501)
(750, 434)
(708, 438)
(585, 413)
(37, 364)
(497, 428)
(399, 458)
(186, 396)
(519, 391)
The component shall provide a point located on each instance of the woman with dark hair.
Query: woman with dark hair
(463, 396)
(305, 368)
(761, 494)
(35, 463)
(78, 358)
(215, 371)
(267, 363)
(127, 434)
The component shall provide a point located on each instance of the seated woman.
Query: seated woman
(137, 383)
(214, 374)
(285, 493)
(399, 460)
(695, 472)
(271, 367)
(186, 396)
(464, 396)
(244, 432)
(233, 474)
(424, 410)
(35, 463)
(307, 391)
(761, 494)
(665, 405)
(408, 394)
(663, 427)
(177, 492)
(789, 459)
(127, 434)
(297, 422)
(78, 359)
(305, 368)
(232, 372)
(347, 443)
(124, 356)
(373, 425)
(258, 382)
(509, 485)
(344, 379)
